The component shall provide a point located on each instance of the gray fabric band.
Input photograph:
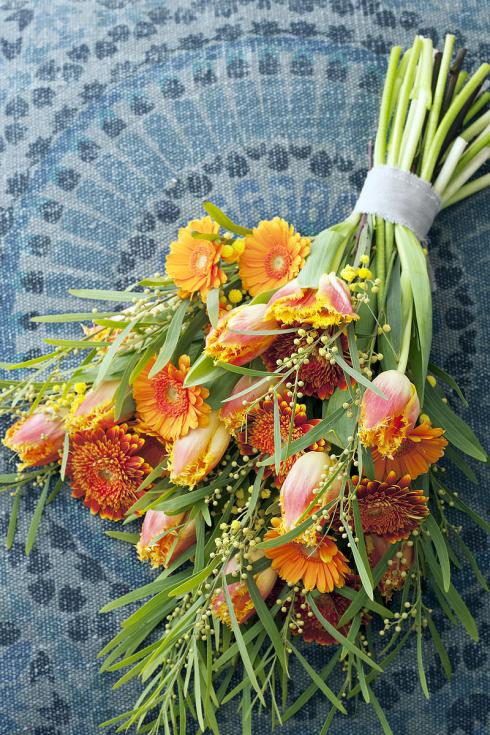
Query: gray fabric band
(400, 197)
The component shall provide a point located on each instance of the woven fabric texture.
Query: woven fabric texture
(117, 117)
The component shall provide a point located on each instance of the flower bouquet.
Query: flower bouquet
(267, 411)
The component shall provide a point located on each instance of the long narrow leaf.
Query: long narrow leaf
(171, 339)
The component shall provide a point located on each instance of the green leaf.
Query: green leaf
(212, 305)
(245, 371)
(267, 621)
(441, 550)
(36, 518)
(130, 538)
(194, 581)
(385, 725)
(390, 344)
(472, 562)
(171, 339)
(322, 258)
(449, 380)
(107, 295)
(420, 665)
(123, 393)
(454, 457)
(318, 681)
(414, 266)
(242, 646)
(277, 436)
(111, 352)
(203, 371)
(81, 317)
(76, 344)
(339, 637)
(9, 540)
(345, 425)
(359, 551)
(446, 663)
(28, 363)
(220, 389)
(310, 692)
(456, 430)
(225, 222)
(358, 377)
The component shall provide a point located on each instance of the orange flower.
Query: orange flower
(386, 421)
(273, 255)
(37, 438)
(193, 264)
(106, 468)
(422, 447)
(320, 566)
(164, 407)
(328, 305)
(235, 340)
(320, 378)
(243, 606)
(257, 435)
(391, 509)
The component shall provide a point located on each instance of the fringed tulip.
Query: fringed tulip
(386, 421)
(164, 538)
(328, 305)
(193, 456)
(233, 340)
(243, 606)
(37, 438)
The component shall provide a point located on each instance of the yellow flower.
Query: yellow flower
(365, 273)
(193, 264)
(273, 254)
(235, 296)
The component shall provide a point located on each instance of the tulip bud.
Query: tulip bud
(228, 342)
(307, 475)
(243, 606)
(163, 538)
(386, 421)
(232, 411)
(328, 305)
(193, 456)
(37, 438)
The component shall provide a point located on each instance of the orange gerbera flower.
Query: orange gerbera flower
(106, 468)
(422, 447)
(273, 255)
(166, 408)
(257, 435)
(193, 264)
(320, 566)
(391, 509)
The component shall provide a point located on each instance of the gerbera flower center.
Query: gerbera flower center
(278, 262)
(169, 395)
(201, 259)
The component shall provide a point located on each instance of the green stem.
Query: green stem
(422, 94)
(384, 113)
(380, 264)
(403, 102)
(477, 105)
(455, 108)
(439, 92)
(477, 127)
(472, 188)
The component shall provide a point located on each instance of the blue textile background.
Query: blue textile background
(117, 117)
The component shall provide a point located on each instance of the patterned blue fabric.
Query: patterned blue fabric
(117, 118)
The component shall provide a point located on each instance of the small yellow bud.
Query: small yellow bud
(424, 419)
(227, 251)
(432, 381)
(364, 259)
(266, 493)
(235, 526)
(386, 328)
(239, 246)
(80, 388)
(235, 296)
(348, 273)
(365, 273)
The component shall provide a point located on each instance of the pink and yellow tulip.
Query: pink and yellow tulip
(37, 438)
(328, 305)
(193, 456)
(164, 538)
(386, 421)
(233, 340)
(243, 606)
(233, 411)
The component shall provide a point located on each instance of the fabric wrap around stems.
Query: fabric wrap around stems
(399, 197)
